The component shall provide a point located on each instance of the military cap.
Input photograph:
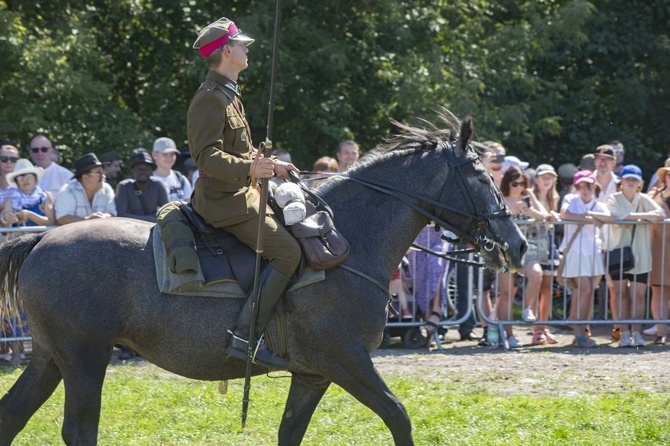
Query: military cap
(217, 34)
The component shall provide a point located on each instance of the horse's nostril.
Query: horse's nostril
(524, 248)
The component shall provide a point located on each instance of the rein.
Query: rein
(477, 235)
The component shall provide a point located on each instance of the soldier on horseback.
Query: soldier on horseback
(219, 140)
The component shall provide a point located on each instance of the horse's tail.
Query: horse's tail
(12, 255)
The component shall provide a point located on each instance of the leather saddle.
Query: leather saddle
(216, 248)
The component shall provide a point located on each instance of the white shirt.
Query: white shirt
(588, 241)
(609, 190)
(179, 187)
(53, 179)
(72, 200)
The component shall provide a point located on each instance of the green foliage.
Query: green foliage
(550, 80)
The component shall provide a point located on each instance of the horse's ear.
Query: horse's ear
(466, 131)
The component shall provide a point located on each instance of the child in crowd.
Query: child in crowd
(584, 260)
(28, 205)
(630, 286)
(546, 193)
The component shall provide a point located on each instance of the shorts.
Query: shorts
(639, 278)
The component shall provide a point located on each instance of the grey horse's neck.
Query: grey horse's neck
(379, 227)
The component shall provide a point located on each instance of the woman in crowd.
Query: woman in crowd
(9, 155)
(546, 193)
(659, 277)
(524, 207)
(630, 287)
(429, 273)
(584, 260)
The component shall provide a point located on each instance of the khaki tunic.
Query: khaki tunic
(220, 145)
(660, 269)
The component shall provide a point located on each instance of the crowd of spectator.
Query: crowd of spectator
(600, 190)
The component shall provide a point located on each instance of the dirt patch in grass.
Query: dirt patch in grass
(559, 370)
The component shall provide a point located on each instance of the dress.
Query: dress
(429, 271)
(585, 257)
(220, 144)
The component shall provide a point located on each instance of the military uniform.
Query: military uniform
(220, 144)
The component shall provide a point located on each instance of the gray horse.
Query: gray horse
(88, 286)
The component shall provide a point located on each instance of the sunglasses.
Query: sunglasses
(515, 184)
(37, 149)
(11, 159)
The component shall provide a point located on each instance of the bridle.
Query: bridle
(480, 233)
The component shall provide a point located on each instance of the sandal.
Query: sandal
(584, 341)
(431, 323)
(539, 338)
(551, 339)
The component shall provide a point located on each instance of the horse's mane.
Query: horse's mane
(407, 139)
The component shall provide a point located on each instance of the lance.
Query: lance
(260, 237)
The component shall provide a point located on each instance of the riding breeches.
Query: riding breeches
(279, 248)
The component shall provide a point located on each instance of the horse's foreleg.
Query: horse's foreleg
(303, 397)
(83, 375)
(355, 373)
(29, 392)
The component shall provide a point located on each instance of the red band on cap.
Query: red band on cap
(208, 49)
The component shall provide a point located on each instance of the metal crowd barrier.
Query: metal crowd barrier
(560, 296)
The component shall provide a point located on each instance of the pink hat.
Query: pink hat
(584, 176)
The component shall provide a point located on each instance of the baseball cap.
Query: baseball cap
(545, 168)
(165, 145)
(631, 171)
(605, 150)
(217, 34)
(584, 176)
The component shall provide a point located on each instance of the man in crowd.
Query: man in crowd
(348, 153)
(43, 153)
(220, 143)
(140, 196)
(87, 196)
(165, 154)
(605, 161)
(111, 162)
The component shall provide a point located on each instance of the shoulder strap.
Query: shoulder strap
(140, 196)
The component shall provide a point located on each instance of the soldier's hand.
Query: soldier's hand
(282, 169)
(262, 168)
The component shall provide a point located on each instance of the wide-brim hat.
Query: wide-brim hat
(23, 167)
(217, 34)
(86, 163)
(141, 156)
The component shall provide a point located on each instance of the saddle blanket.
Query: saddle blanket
(193, 284)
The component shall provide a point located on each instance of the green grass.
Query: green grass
(144, 406)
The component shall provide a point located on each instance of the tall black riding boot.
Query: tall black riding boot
(273, 284)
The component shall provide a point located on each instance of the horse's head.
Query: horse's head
(483, 219)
